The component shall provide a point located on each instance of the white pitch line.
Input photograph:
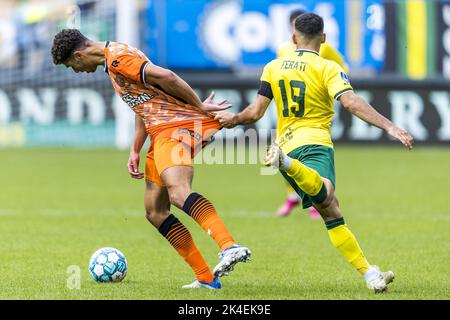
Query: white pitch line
(7, 212)
(82, 213)
(129, 212)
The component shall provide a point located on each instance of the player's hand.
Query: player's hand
(210, 105)
(133, 166)
(226, 119)
(402, 135)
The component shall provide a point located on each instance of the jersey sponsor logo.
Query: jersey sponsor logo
(135, 100)
(287, 136)
(193, 134)
(345, 78)
(115, 63)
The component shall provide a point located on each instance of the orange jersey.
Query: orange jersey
(159, 110)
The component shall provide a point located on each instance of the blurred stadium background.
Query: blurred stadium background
(397, 51)
(61, 136)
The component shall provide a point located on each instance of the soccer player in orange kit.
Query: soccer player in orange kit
(179, 124)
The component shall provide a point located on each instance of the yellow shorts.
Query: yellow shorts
(177, 147)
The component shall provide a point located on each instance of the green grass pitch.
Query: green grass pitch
(58, 206)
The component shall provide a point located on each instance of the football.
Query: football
(108, 265)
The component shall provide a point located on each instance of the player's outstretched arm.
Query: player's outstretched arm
(210, 105)
(140, 135)
(170, 82)
(252, 113)
(360, 108)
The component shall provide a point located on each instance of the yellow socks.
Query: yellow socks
(342, 238)
(306, 178)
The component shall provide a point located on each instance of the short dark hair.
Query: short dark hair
(65, 43)
(294, 14)
(309, 24)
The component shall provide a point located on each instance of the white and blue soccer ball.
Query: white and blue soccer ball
(108, 265)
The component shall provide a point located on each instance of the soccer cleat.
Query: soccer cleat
(228, 259)
(313, 213)
(377, 280)
(388, 276)
(213, 285)
(275, 157)
(287, 207)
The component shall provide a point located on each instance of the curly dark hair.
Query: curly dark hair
(309, 24)
(65, 43)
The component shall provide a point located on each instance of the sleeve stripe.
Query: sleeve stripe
(340, 93)
(142, 72)
(265, 90)
(106, 67)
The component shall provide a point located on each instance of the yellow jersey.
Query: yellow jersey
(304, 86)
(326, 51)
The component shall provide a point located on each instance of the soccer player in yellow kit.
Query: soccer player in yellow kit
(327, 52)
(304, 86)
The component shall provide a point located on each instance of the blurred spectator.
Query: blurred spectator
(26, 27)
(8, 46)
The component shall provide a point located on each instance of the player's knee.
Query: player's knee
(156, 217)
(176, 200)
(151, 215)
(178, 195)
(327, 200)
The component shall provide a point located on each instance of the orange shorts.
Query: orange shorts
(177, 147)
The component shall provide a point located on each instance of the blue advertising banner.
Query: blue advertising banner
(228, 34)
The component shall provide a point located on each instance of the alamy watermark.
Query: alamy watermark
(73, 17)
(73, 281)
(231, 147)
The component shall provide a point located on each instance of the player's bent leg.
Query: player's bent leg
(340, 236)
(157, 206)
(306, 178)
(203, 211)
(156, 203)
(345, 242)
(178, 180)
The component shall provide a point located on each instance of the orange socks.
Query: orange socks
(180, 238)
(202, 211)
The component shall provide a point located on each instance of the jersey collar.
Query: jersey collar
(307, 50)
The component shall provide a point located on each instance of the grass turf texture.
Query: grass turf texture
(58, 206)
